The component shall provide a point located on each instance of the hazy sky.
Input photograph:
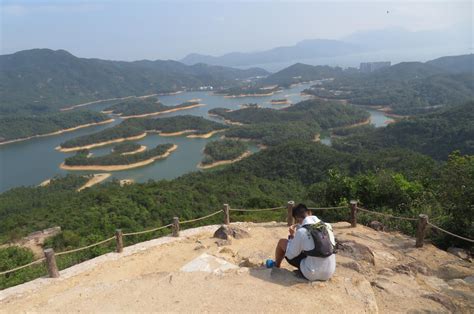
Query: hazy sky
(145, 29)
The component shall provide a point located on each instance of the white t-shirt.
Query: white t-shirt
(312, 267)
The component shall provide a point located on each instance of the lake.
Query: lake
(33, 161)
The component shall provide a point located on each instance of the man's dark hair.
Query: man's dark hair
(300, 211)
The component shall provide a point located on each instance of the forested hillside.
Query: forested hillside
(18, 127)
(406, 88)
(436, 134)
(43, 79)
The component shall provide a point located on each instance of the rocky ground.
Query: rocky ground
(376, 272)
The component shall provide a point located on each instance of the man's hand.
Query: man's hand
(292, 231)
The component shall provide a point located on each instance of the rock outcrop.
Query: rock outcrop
(376, 272)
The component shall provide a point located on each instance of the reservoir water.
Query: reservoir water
(33, 161)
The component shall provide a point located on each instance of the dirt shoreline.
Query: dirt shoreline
(206, 135)
(57, 132)
(161, 112)
(224, 162)
(95, 179)
(119, 167)
(142, 148)
(123, 139)
(104, 100)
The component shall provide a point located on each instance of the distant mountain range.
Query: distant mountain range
(392, 41)
(39, 80)
(302, 50)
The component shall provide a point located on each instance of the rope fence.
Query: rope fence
(255, 210)
(386, 215)
(53, 270)
(450, 233)
(24, 266)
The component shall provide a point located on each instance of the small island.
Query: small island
(250, 105)
(128, 148)
(144, 107)
(282, 101)
(133, 129)
(116, 161)
(223, 152)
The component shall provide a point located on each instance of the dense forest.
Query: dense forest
(81, 158)
(139, 106)
(23, 126)
(135, 127)
(43, 79)
(226, 149)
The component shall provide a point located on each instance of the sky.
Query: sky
(145, 29)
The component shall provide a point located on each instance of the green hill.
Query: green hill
(40, 79)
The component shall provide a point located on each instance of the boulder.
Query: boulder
(356, 251)
(377, 225)
(461, 253)
(443, 300)
(225, 232)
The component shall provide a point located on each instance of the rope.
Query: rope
(387, 215)
(146, 231)
(201, 218)
(337, 207)
(85, 247)
(452, 234)
(255, 210)
(21, 267)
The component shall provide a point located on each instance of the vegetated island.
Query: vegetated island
(132, 129)
(128, 148)
(282, 101)
(117, 161)
(223, 152)
(247, 91)
(24, 127)
(250, 105)
(144, 107)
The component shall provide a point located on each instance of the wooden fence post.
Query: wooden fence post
(175, 227)
(421, 231)
(119, 240)
(226, 214)
(353, 214)
(289, 213)
(51, 263)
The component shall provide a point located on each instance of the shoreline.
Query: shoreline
(103, 100)
(249, 95)
(224, 162)
(58, 132)
(206, 135)
(123, 139)
(142, 148)
(160, 112)
(119, 167)
(95, 179)
(365, 122)
(176, 133)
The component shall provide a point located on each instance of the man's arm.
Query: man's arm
(295, 245)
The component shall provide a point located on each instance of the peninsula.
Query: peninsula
(223, 152)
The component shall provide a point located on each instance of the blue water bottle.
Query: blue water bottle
(270, 263)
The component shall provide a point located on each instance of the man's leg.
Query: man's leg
(280, 252)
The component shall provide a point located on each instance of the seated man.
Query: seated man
(315, 263)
